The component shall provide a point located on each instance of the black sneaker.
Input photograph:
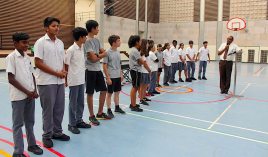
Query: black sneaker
(199, 77)
(35, 149)
(18, 155)
(47, 142)
(73, 129)
(175, 81)
(181, 80)
(143, 102)
(136, 105)
(110, 113)
(136, 108)
(61, 137)
(156, 92)
(204, 78)
(94, 121)
(166, 84)
(158, 85)
(188, 80)
(119, 110)
(193, 78)
(103, 116)
(83, 125)
(147, 99)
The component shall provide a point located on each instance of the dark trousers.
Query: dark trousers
(202, 67)
(23, 113)
(191, 68)
(225, 75)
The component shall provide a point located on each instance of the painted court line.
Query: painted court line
(258, 72)
(230, 105)
(174, 89)
(201, 129)
(196, 128)
(5, 154)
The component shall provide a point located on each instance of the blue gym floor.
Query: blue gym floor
(185, 120)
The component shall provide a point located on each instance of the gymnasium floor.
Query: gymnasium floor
(186, 120)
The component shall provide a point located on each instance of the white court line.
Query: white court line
(226, 110)
(196, 128)
(196, 119)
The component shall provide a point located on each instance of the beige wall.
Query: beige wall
(250, 9)
(176, 10)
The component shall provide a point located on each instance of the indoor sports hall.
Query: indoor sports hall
(185, 119)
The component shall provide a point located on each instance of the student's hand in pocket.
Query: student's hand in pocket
(109, 81)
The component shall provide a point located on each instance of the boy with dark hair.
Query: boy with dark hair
(49, 61)
(190, 58)
(113, 73)
(23, 93)
(203, 57)
(135, 62)
(94, 77)
(75, 66)
(174, 61)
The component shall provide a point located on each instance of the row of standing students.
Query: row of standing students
(78, 68)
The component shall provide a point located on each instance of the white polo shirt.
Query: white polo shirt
(191, 52)
(174, 55)
(182, 53)
(151, 61)
(143, 70)
(52, 53)
(75, 59)
(232, 48)
(21, 67)
(203, 53)
(167, 57)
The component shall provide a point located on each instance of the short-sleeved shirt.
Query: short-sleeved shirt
(159, 56)
(191, 52)
(113, 61)
(143, 69)
(21, 67)
(52, 53)
(92, 45)
(174, 55)
(232, 49)
(167, 57)
(182, 53)
(74, 58)
(134, 56)
(151, 61)
(203, 53)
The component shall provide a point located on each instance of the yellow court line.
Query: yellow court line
(4, 153)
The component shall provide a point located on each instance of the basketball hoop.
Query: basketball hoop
(236, 24)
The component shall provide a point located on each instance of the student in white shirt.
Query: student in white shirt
(75, 66)
(153, 64)
(174, 61)
(159, 55)
(203, 56)
(22, 90)
(145, 73)
(167, 64)
(190, 58)
(182, 64)
(227, 53)
(49, 61)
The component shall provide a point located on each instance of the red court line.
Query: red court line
(38, 142)
(258, 70)
(177, 102)
(12, 145)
